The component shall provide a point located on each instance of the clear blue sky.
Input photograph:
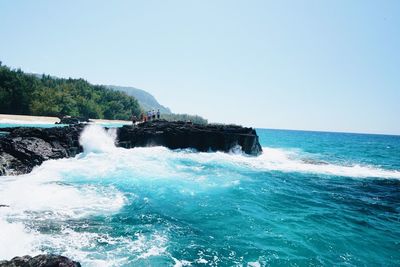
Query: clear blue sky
(314, 65)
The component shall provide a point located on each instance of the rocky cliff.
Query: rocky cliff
(21, 148)
(204, 138)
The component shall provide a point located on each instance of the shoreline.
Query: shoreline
(28, 119)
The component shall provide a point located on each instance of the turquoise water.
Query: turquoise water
(311, 199)
(38, 125)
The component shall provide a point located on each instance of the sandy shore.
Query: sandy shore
(25, 119)
(7, 118)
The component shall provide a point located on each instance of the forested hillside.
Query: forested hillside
(22, 93)
(44, 95)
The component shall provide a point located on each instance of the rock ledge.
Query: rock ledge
(23, 148)
(40, 261)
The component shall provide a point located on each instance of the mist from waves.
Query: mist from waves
(96, 139)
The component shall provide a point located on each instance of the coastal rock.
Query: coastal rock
(40, 261)
(72, 120)
(23, 148)
(177, 135)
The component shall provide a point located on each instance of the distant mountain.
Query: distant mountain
(146, 100)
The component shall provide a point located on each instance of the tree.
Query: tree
(21, 93)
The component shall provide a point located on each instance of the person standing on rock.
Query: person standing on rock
(134, 119)
(158, 114)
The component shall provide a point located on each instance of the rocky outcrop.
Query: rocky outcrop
(204, 138)
(72, 120)
(40, 261)
(24, 148)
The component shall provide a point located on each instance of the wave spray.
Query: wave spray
(96, 139)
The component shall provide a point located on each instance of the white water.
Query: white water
(274, 159)
(95, 138)
(81, 187)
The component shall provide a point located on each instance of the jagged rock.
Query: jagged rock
(40, 261)
(24, 148)
(203, 138)
(72, 120)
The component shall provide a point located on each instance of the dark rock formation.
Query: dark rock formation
(40, 261)
(3, 133)
(24, 148)
(204, 138)
(72, 120)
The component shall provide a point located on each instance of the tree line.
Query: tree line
(30, 94)
(184, 117)
(27, 94)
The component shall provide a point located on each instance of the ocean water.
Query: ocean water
(38, 125)
(311, 199)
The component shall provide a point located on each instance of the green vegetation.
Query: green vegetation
(184, 117)
(26, 94)
(32, 94)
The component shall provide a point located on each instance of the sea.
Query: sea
(310, 199)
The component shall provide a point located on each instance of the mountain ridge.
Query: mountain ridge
(146, 100)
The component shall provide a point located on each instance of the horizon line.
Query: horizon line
(146, 90)
(328, 131)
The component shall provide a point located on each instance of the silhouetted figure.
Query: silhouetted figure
(158, 114)
(134, 119)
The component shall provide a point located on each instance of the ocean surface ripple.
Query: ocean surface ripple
(310, 199)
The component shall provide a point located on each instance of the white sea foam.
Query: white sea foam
(77, 245)
(79, 187)
(42, 191)
(254, 264)
(35, 199)
(181, 263)
(159, 161)
(289, 161)
(275, 159)
(95, 138)
(45, 195)
(16, 239)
